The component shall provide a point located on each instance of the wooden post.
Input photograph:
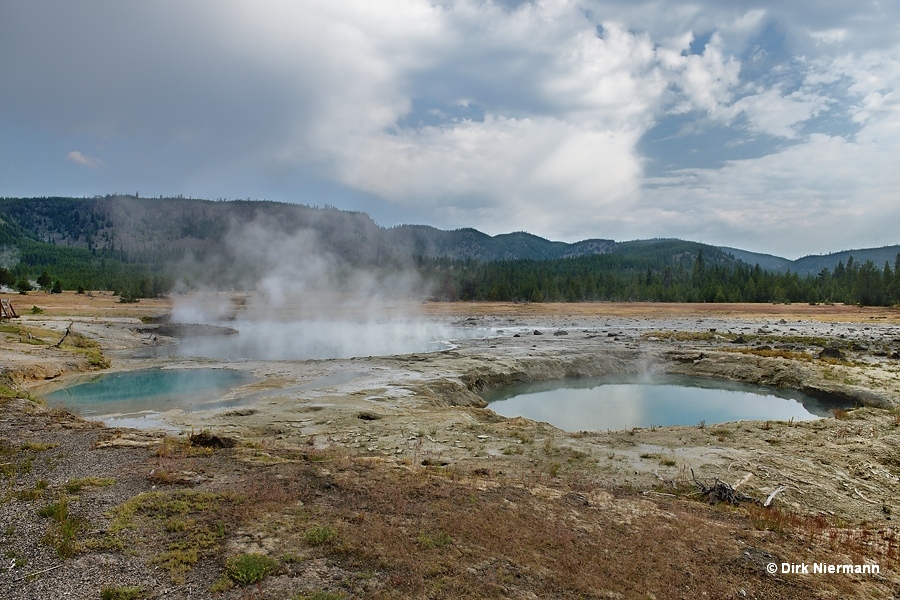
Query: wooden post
(6, 309)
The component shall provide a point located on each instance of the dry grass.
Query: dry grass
(411, 531)
(862, 543)
(97, 304)
(177, 529)
(105, 304)
(384, 528)
(76, 342)
(826, 313)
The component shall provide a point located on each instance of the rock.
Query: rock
(536, 332)
(576, 499)
(757, 560)
(831, 352)
(560, 332)
(206, 439)
(241, 412)
(739, 340)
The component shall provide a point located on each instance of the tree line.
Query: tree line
(52, 268)
(611, 277)
(682, 272)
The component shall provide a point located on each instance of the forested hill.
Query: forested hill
(422, 240)
(145, 246)
(162, 228)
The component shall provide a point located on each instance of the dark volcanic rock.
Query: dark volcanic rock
(206, 439)
(831, 352)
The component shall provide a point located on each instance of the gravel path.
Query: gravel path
(38, 447)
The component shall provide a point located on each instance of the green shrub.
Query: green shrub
(245, 569)
(318, 536)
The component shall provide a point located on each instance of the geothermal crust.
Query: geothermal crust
(428, 407)
(418, 484)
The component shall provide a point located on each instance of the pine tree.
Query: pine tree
(44, 280)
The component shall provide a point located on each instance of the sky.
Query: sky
(770, 126)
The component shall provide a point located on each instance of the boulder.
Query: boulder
(831, 352)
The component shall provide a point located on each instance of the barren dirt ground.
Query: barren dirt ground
(387, 477)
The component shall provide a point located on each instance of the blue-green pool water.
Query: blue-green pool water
(155, 390)
(600, 404)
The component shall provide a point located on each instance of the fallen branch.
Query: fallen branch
(743, 480)
(59, 343)
(858, 493)
(771, 497)
(649, 492)
(23, 578)
(738, 461)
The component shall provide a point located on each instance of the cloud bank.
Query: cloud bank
(763, 125)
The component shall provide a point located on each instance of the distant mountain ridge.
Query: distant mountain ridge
(424, 240)
(814, 263)
(164, 228)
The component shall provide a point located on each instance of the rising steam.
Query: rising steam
(299, 299)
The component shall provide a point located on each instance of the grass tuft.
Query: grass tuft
(245, 569)
(320, 535)
(64, 528)
(122, 593)
(73, 486)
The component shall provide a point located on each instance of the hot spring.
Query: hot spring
(599, 404)
(135, 398)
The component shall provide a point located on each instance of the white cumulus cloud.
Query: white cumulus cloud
(84, 160)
